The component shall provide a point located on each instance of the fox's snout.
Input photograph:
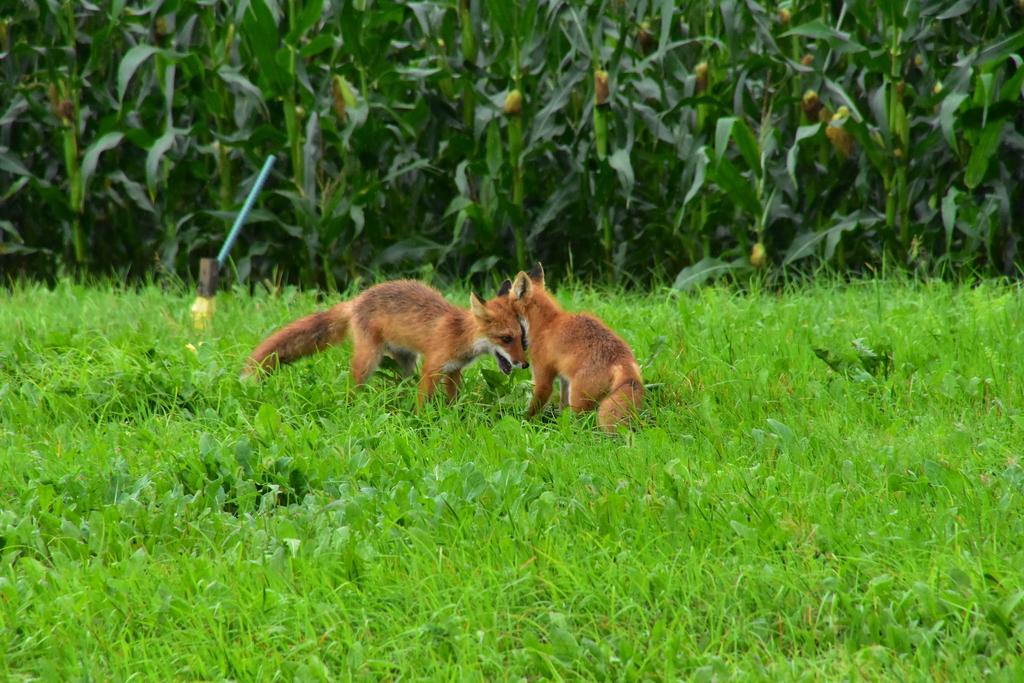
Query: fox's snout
(518, 359)
(508, 360)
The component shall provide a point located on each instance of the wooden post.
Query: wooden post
(208, 276)
(203, 306)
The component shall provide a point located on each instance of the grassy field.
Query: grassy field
(826, 484)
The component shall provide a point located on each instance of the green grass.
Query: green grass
(775, 516)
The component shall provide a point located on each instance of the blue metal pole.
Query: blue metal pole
(240, 219)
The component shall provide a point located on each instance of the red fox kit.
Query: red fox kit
(403, 319)
(597, 364)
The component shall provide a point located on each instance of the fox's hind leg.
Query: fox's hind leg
(564, 393)
(366, 354)
(579, 398)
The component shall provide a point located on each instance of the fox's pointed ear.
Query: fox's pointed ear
(506, 286)
(537, 273)
(477, 307)
(522, 286)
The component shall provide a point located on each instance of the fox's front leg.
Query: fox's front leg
(428, 382)
(451, 382)
(542, 381)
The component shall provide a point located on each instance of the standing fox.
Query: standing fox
(403, 319)
(597, 364)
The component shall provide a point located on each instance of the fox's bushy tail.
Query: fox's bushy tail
(303, 337)
(623, 400)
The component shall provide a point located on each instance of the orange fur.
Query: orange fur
(402, 319)
(598, 365)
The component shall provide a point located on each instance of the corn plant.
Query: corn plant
(625, 139)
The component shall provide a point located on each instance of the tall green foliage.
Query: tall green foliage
(622, 136)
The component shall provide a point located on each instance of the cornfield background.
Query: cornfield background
(626, 140)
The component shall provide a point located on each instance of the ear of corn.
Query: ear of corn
(601, 107)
